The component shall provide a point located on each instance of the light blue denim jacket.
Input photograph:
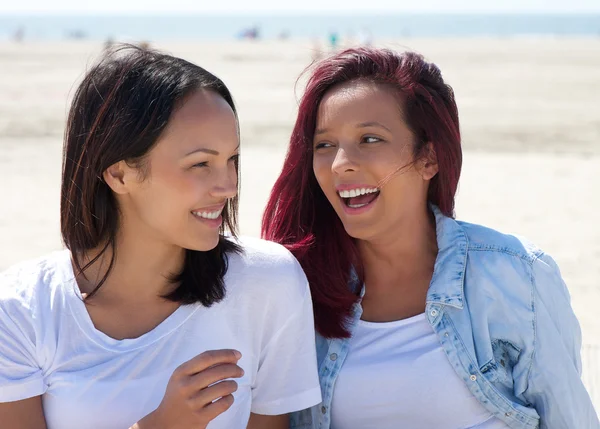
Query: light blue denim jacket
(502, 314)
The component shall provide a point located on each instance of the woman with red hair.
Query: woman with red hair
(423, 321)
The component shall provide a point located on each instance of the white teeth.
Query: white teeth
(208, 215)
(356, 192)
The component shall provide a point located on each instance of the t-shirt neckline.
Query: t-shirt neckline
(85, 323)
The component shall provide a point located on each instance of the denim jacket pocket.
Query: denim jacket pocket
(499, 368)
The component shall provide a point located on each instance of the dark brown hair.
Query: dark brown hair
(118, 113)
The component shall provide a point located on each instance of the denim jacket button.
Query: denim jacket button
(434, 313)
(324, 409)
(473, 377)
(333, 356)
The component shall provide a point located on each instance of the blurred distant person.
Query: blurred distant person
(108, 43)
(19, 35)
(283, 35)
(334, 40)
(365, 38)
(77, 35)
(153, 317)
(251, 33)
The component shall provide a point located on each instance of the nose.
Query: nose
(226, 183)
(345, 161)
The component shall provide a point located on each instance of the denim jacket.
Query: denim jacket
(502, 314)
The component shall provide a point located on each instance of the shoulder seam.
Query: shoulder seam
(530, 258)
(534, 327)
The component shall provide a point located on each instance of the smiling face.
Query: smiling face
(191, 175)
(363, 160)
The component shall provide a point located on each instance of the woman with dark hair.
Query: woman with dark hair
(423, 321)
(151, 313)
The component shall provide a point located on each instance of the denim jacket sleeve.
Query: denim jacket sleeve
(555, 387)
(304, 419)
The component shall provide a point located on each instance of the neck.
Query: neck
(406, 253)
(141, 271)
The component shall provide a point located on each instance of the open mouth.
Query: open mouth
(359, 198)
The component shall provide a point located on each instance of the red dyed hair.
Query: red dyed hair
(299, 216)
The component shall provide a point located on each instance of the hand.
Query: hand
(197, 392)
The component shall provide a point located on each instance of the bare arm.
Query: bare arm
(196, 394)
(258, 421)
(25, 414)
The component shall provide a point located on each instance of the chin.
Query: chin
(203, 245)
(359, 232)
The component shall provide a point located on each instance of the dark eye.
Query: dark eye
(370, 139)
(322, 145)
(200, 164)
(235, 158)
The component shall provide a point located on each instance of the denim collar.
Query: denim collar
(447, 283)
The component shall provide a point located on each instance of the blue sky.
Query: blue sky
(282, 6)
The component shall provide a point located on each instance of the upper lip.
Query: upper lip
(349, 187)
(210, 208)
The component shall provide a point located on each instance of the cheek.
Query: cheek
(191, 188)
(174, 192)
(322, 170)
(386, 169)
(404, 189)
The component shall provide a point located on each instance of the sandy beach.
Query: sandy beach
(530, 117)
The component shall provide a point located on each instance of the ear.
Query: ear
(429, 164)
(115, 177)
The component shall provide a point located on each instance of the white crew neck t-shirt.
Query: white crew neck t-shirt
(396, 375)
(50, 347)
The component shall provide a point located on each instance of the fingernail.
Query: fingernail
(237, 354)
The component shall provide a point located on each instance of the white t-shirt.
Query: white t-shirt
(50, 347)
(396, 375)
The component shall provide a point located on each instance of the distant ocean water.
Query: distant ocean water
(224, 27)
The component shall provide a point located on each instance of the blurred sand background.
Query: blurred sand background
(530, 117)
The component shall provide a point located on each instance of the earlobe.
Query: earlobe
(114, 176)
(429, 170)
(430, 166)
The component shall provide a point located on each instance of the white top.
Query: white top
(397, 375)
(50, 347)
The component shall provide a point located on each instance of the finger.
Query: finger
(211, 411)
(209, 376)
(208, 359)
(210, 394)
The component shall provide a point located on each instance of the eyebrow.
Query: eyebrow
(361, 125)
(208, 151)
(373, 124)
